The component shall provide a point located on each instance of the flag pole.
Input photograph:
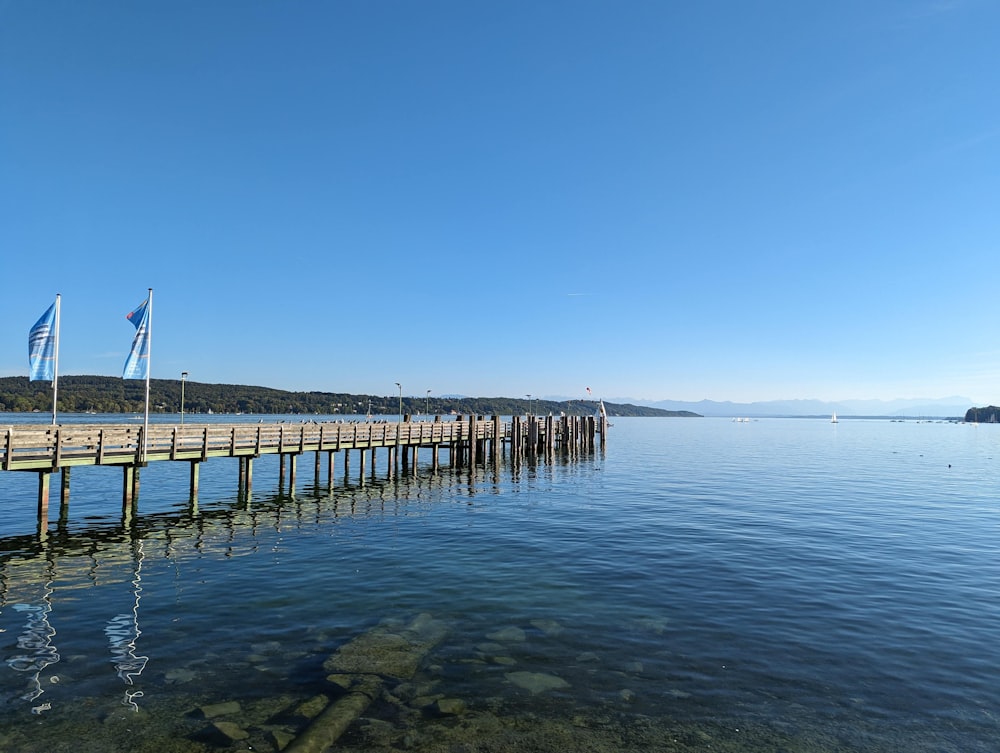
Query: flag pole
(55, 364)
(149, 353)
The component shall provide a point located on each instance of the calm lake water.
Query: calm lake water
(777, 585)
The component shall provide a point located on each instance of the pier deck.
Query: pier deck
(46, 449)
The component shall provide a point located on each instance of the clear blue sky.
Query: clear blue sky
(663, 200)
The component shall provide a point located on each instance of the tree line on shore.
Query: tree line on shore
(103, 394)
(987, 415)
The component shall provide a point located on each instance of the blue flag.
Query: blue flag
(137, 363)
(42, 347)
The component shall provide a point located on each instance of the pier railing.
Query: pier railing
(53, 447)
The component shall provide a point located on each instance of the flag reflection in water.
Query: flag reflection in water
(123, 632)
(39, 651)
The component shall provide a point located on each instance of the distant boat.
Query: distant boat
(833, 419)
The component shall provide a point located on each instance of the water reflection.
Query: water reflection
(123, 632)
(37, 651)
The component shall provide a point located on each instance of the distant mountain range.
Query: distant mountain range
(947, 407)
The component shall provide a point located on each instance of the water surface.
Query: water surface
(782, 584)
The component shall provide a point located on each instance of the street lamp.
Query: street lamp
(427, 402)
(184, 376)
(400, 402)
(529, 404)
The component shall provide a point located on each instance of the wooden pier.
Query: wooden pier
(469, 441)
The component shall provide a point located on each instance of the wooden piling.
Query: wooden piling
(64, 487)
(128, 474)
(44, 481)
(195, 472)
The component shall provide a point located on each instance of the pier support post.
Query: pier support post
(497, 440)
(64, 492)
(195, 466)
(472, 440)
(361, 462)
(128, 472)
(130, 491)
(44, 482)
(292, 463)
(330, 454)
(245, 483)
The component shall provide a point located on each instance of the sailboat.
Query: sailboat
(601, 414)
(833, 419)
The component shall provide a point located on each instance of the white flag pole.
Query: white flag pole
(55, 364)
(149, 353)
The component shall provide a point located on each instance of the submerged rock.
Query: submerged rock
(219, 709)
(312, 707)
(230, 731)
(280, 738)
(179, 675)
(388, 651)
(510, 634)
(551, 628)
(536, 682)
(449, 706)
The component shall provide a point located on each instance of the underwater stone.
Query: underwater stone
(312, 708)
(510, 634)
(489, 648)
(449, 706)
(536, 682)
(179, 675)
(230, 730)
(388, 652)
(220, 709)
(280, 738)
(549, 627)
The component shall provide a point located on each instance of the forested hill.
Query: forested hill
(80, 394)
(988, 415)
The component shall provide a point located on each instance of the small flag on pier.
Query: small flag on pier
(137, 363)
(42, 347)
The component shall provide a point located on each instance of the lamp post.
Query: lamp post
(400, 402)
(427, 402)
(184, 376)
(529, 404)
